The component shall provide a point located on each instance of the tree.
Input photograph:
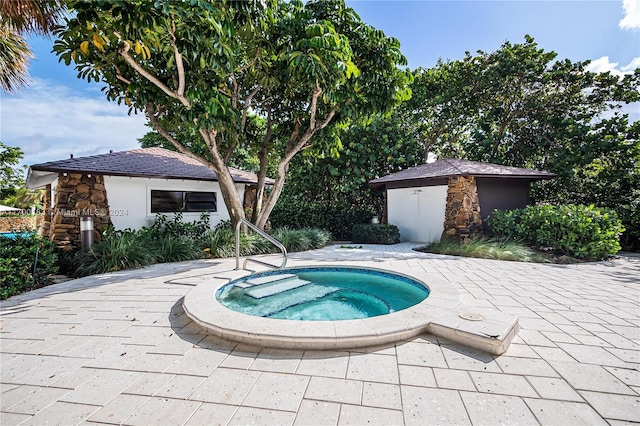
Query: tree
(328, 187)
(11, 176)
(20, 17)
(24, 198)
(514, 106)
(206, 67)
(519, 106)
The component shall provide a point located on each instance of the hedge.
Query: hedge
(584, 232)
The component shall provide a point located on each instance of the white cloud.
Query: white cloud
(631, 19)
(50, 121)
(603, 64)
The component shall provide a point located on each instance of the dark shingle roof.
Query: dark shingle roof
(144, 162)
(449, 167)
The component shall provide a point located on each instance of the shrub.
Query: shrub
(17, 258)
(337, 219)
(584, 232)
(365, 233)
(499, 249)
(177, 228)
(116, 251)
(174, 249)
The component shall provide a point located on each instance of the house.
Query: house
(128, 189)
(450, 198)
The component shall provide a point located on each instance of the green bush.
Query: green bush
(174, 249)
(127, 249)
(117, 250)
(366, 233)
(17, 257)
(584, 232)
(337, 219)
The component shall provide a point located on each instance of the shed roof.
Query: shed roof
(143, 162)
(449, 167)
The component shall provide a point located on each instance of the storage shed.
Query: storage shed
(450, 197)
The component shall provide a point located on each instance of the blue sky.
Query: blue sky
(60, 114)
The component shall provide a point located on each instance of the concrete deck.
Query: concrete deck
(119, 349)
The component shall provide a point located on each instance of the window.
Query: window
(175, 201)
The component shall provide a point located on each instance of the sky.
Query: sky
(59, 114)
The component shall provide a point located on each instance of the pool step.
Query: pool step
(309, 295)
(263, 280)
(260, 291)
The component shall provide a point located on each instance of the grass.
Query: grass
(489, 249)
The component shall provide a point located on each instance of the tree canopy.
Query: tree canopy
(206, 67)
(520, 106)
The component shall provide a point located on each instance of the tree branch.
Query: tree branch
(153, 113)
(124, 52)
(179, 63)
(247, 104)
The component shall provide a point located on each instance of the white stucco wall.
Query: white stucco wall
(417, 212)
(130, 199)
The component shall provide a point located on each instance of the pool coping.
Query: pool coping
(438, 314)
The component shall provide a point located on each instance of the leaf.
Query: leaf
(84, 47)
(98, 42)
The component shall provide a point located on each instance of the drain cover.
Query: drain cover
(470, 316)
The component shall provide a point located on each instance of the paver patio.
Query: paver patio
(118, 349)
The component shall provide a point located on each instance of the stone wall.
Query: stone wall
(19, 223)
(77, 195)
(45, 229)
(462, 219)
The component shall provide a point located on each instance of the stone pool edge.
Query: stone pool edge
(439, 315)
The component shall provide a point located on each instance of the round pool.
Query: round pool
(321, 293)
(385, 306)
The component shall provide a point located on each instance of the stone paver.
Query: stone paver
(118, 349)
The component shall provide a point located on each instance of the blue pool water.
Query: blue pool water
(322, 294)
(14, 235)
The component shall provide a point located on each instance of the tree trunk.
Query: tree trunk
(228, 189)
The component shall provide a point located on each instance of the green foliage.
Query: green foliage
(169, 249)
(366, 233)
(338, 219)
(11, 176)
(175, 227)
(584, 232)
(116, 251)
(207, 69)
(328, 187)
(23, 198)
(498, 249)
(17, 258)
(174, 241)
(521, 106)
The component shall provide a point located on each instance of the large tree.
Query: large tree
(205, 67)
(520, 106)
(17, 18)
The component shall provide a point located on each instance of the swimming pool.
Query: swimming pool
(14, 235)
(203, 307)
(322, 294)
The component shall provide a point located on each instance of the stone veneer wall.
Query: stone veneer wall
(45, 228)
(77, 195)
(462, 219)
(19, 223)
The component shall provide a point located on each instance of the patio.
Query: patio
(118, 349)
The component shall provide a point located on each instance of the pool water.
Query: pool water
(322, 294)
(14, 235)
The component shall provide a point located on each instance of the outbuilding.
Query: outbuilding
(128, 189)
(450, 197)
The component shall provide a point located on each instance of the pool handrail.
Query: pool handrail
(265, 236)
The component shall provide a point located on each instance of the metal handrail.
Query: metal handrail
(264, 235)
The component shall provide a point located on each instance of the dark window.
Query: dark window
(175, 201)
